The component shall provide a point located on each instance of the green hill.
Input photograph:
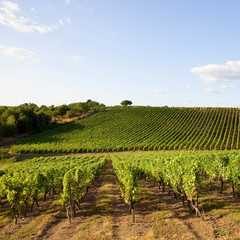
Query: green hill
(142, 128)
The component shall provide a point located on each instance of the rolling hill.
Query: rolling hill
(141, 128)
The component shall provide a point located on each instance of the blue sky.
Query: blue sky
(156, 52)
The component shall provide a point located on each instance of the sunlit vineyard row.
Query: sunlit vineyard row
(182, 172)
(25, 183)
(142, 128)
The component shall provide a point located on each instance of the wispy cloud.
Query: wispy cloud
(66, 20)
(76, 57)
(218, 73)
(67, 1)
(209, 90)
(17, 53)
(227, 87)
(159, 91)
(9, 16)
(189, 88)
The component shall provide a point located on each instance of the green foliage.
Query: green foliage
(142, 128)
(93, 104)
(61, 110)
(70, 114)
(3, 153)
(22, 119)
(126, 103)
(29, 117)
(83, 107)
(77, 180)
(23, 183)
(127, 179)
(183, 172)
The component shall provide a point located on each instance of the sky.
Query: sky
(180, 53)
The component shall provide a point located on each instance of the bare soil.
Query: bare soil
(200, 229)
(9, 230)
(221, 213)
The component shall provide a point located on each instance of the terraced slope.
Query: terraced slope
(142, 128)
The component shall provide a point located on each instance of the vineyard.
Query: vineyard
(69, 175)
(182, 173)
(105, 194)
(141, 128)
(191, 177)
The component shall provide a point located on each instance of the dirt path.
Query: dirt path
(94, 219)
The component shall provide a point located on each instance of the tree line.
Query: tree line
(28, 117)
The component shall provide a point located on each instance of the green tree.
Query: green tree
(126, 103)
(61, 110)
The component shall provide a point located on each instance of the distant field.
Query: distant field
(142, 128)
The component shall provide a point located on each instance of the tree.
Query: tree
(61, 110)
(126, 103)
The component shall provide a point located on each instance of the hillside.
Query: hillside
(142, 128)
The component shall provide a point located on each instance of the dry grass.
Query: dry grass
(165, 224)
(5, 217)
(31, 227)
(99, 225)
(34, 229)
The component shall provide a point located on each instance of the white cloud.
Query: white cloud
(228, 87)
(189, 88)
(67, 1)
(218, 73)
(8, 17)
(159, 91)
(77, 57)
(209, 90)
(66, 20)
(17, 53)
(33, 9)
